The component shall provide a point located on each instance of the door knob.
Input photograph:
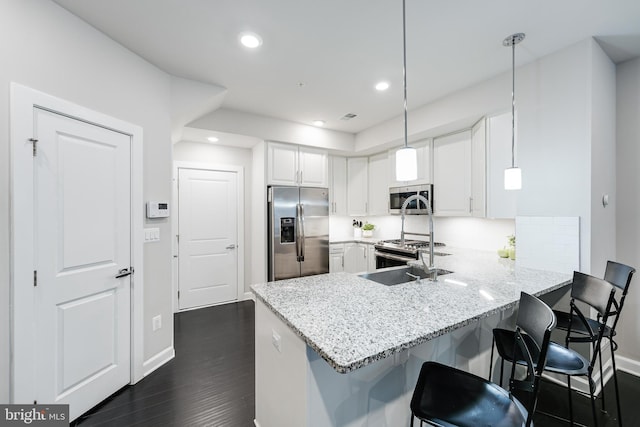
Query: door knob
(231, 247)
(124, 272)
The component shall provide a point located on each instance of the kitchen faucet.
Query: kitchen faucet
(431, 267)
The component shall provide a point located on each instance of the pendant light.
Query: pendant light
(513, 175)
(406, 157)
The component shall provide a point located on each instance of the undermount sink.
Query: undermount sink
(397, 275)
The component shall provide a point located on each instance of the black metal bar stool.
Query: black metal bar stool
(446, 396)
(620, 276)
(597, 294)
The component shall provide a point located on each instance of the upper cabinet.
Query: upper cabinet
(378, 196)
(459, 173)
(338, 185)
(478, 169)
(295, 165)
(452, 174)
(423, 153)
(357, 186)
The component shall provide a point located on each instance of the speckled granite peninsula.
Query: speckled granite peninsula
(355, 324)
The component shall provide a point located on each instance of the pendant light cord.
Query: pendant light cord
(513, 100)
(404, 69)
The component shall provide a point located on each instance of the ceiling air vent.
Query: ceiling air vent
(348, 116)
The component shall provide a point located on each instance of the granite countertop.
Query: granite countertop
(351, 322)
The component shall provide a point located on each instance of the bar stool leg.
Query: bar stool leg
(570, 403)
(593, 401)
(604, 408)
(615, 381)
(493, 343)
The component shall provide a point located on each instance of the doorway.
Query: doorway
(209, 240)
(77, 329)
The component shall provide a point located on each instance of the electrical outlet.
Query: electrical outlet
(157, 322)
(276, 341)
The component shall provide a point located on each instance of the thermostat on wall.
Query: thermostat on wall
(157, 209)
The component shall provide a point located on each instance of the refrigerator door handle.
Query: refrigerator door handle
(298, 232)
(302, 244)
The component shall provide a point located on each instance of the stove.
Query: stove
(410, 246)
(391, 253)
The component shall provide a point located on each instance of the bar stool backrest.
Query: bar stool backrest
(537, 320)
(619, 275)
(597, 293)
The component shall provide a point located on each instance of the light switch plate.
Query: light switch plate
(151, 235)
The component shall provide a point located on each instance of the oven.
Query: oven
(398, 195)
(386, 259)
(394, 253)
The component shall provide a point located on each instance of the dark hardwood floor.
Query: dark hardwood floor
(211, 382)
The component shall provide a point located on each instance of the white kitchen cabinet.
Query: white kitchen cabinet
(371, 258)
(478, 169)
(336, 258)
(459, 173)
(501, 203)
(355, 257)
(423, 154)
(294, 165)
(452, 174)
(378, 188)
(357, 186)
(338, 185)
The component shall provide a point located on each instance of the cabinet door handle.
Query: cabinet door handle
(470, 205)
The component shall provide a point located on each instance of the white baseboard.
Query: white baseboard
(249, 296)
(255, 423)
(158, 360)
(628, 365)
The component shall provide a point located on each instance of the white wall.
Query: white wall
(603, 160)
(218, 155)
(627, 200)
(48, 49)
(553, 145)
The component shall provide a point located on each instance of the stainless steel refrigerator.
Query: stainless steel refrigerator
(298, 231)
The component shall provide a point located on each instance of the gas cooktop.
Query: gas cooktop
(409, 245)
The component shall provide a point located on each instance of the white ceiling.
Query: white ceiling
(338, 49)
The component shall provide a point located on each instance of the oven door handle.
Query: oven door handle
(393, 257)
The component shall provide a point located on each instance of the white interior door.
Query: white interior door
(208, 230)
(83, 239)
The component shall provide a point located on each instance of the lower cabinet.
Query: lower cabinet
(336, 258)
(371, 258)
(359, 257)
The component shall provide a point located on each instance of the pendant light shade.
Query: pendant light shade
(406, 164)
(513, 175)
(406, 157)
(512, 179)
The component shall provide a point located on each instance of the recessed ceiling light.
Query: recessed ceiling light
(382, 86)
(212, 139)
(318, 122)
(250, 40)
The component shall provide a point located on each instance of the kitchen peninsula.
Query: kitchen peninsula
(340, 350)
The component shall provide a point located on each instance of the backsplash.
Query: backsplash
(472, 233)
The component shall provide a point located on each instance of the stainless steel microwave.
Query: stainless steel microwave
(398, 195)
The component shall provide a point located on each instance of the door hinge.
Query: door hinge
(35, 277)
(178, 294)
(34, 141)
(35, 402)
